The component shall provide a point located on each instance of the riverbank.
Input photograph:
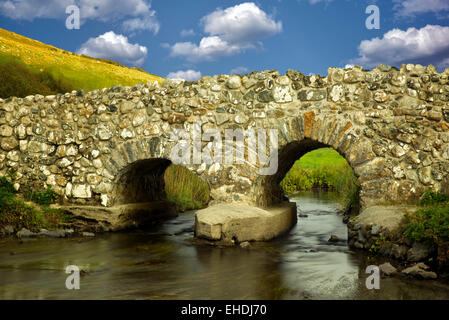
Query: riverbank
(415, 237)
(38, 211)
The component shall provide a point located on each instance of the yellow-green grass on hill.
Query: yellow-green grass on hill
(66, 69)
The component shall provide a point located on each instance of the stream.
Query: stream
(161, 263)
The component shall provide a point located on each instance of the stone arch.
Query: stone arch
(137, 171)
(308, 133)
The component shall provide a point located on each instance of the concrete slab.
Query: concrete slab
(239, 222)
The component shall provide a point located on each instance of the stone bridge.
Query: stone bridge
(111, 146)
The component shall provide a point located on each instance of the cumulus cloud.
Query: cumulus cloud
(147, 22)
(210, 48)
(29, 9)
(239, 70)
(428, 45)
(115, 47)
(187, 33)
(188, 75)
(136, 14)
(410, 8)
(242, 23)
(230, 31)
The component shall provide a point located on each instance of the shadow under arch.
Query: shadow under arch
(141, 181)
(148, 181)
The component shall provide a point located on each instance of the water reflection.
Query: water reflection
(162, 264)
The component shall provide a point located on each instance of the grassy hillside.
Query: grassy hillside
(323, 168)
(28, 67)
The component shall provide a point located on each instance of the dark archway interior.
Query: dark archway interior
(142, 181)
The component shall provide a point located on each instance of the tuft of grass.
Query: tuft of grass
(185, 189)
(430, 224)
(44, 197)
(431, 197)
(323, 168)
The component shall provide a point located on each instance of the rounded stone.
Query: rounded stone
(234, 82)
(6, 131)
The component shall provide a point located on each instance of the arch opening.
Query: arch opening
(160, 181)
(292, 175)
(142, 181)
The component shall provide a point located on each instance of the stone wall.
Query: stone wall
(112, 146)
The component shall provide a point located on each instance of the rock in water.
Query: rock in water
(25, 233)
(333, 238)
(420, 270)
(387, 269)
(245, 244)
(88, 234)
(227, 222)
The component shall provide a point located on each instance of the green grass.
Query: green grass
(430, 224)
(323, 168)
(324, 157)
(51, 70)
(185, 189)
(15, 211)
(16, 79)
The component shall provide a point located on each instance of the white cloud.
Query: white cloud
(188, 75)
(410, 8)
(318, 1)
(245, 22)
(29, 9)
(230, 31)
(115, 47)
(147, 22)
(187, 33)
(210, 48)
(102, 10)
(428, 45)
(239, 70)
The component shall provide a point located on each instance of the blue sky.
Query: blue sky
(188, 39)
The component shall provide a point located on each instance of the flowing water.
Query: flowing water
(162, 263)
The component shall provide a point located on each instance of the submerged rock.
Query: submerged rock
(25, 233)
(88, 234)
(52, 233)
